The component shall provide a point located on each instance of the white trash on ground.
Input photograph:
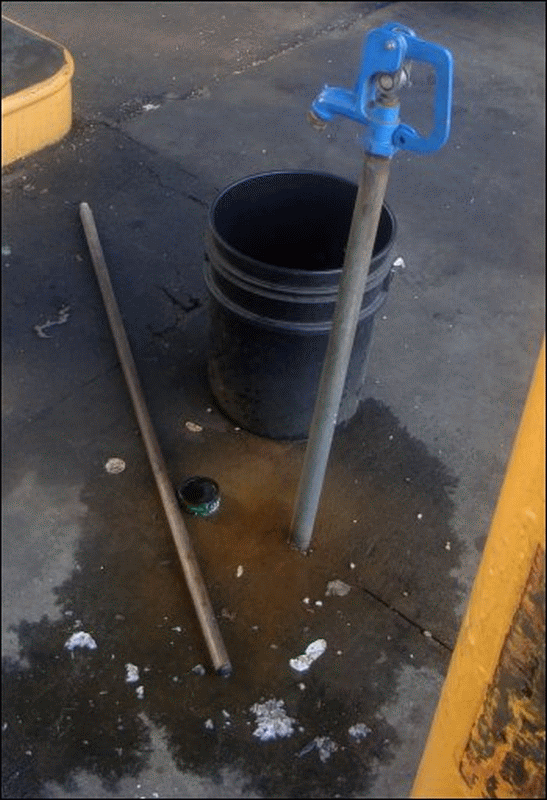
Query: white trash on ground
(338, 588)
(359, 731)
(323, 744)
(114, 466)
(326, 747)
(62, 317)
(313, 651)
(131, 673)
(193, 427)
(272, 720)
(81, 639)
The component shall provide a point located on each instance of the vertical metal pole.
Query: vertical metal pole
(362, 235)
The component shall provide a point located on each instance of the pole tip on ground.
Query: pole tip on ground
(225, 670)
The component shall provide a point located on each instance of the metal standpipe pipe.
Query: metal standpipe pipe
(362, 235)
(373, 103)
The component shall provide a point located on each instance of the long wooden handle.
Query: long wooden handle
(194, 579)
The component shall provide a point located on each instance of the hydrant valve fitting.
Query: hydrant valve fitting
(373, 102)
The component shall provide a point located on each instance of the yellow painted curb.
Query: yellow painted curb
(38, 115)
(488, 733)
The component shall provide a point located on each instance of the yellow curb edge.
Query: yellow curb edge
(38, 115)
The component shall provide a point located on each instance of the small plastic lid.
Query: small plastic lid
(199, 496)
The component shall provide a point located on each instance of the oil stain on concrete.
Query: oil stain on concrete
(67, 713)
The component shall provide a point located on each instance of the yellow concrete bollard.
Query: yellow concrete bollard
(487, 738)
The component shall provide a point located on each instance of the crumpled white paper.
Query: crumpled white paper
(324, 745)
(338, 588)
(273, 722)
(81, 639)
(313, 651)
(359, 731)
(131, 673)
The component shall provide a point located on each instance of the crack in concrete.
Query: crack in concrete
(81, 124)
(159, 181)
(161, 336)
(182, 309)
(193, 302)
(136, 106)
(407, 619)
(303, 39)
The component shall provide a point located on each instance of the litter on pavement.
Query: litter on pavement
(323, 744)
(131, 673)
(114, 466)
(313, 651)
(359, 731)
(81, 639)
(338, 588)
(193, 427)
(272, 720)
(62, 317)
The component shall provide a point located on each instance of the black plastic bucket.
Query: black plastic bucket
(275, 247)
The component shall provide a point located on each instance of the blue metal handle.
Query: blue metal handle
(384, 54)
(406, 137)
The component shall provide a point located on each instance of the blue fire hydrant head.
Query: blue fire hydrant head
(385, 67)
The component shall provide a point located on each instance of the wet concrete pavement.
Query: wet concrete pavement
(412, 480)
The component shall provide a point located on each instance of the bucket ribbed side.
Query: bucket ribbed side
(274, 253)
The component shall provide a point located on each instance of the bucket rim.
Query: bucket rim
(288, 270)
